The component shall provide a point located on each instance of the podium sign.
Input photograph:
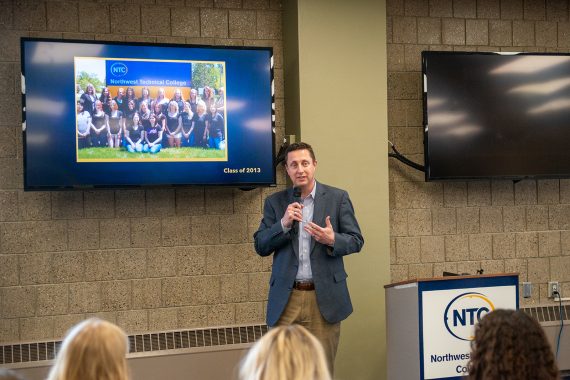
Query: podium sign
(449, 312)
(431, 322)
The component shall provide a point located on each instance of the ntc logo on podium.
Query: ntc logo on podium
(464, 311)
(119, 69)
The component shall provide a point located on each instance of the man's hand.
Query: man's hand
(322, 235)
(294, 212)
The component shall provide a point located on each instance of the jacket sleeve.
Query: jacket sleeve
(270, 236)
(348, 239)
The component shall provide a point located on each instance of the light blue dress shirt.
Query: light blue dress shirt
(304, 271)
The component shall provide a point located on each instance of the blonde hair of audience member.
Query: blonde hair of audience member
(286, 353)
(511, 345)
(92, 350)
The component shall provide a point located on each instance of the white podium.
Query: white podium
(430, 322)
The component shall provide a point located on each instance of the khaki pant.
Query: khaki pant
(302, 309)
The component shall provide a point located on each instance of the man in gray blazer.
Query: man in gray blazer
(309, 229)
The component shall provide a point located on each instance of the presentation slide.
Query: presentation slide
(120, 115)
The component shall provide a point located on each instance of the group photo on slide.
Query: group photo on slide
(137, 110)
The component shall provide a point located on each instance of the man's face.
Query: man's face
(301, 168)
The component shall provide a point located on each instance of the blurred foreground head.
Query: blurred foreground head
(285, 353)
(92, 350)
(509, 344)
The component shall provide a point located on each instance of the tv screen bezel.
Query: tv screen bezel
(424, 80)
(240, 185)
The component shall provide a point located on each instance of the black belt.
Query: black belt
(304, 285)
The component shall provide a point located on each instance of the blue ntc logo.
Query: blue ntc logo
(464, 311)
(119, 69)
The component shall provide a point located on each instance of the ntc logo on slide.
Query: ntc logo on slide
(464, 311)
(119, 69)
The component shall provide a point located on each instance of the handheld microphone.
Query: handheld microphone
(296, 198)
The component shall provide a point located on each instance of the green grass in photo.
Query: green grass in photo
(94, 154)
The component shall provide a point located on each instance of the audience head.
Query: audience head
(92, 350)
(285, 353)
(510, 344)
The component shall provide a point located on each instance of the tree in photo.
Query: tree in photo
(208, 74)
(84, 78)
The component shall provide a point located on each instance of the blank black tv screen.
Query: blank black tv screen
(213, 114)
(496, 115)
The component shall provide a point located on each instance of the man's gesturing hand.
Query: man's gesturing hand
(324, 235)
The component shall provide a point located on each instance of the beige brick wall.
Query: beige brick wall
(186, 260)
(463, 226)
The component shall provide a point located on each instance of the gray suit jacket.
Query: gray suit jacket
(327, 263)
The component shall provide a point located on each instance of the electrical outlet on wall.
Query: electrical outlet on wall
(553, 287)
(527, 289)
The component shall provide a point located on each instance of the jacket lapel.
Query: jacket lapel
(319, 210)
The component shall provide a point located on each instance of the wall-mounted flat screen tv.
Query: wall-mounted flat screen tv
(496, 115)
(106, 114)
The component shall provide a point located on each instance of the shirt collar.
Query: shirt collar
(313, 192)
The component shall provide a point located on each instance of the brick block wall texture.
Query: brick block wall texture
(463, 226)
(185, 261)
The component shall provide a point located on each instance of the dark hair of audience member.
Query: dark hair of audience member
(511, 345)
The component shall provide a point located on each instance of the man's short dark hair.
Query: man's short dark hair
(298, 146)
